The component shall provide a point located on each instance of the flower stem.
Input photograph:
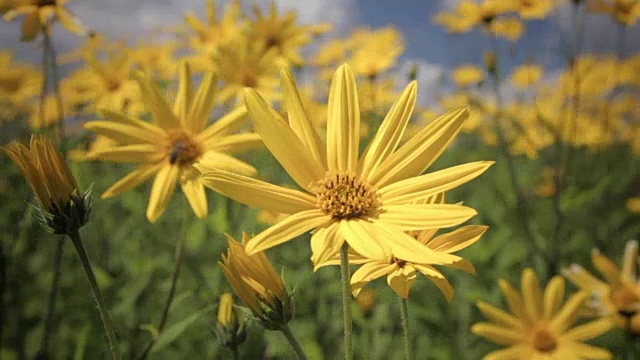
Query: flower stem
(53, 294)
(236, 353)
(286, 331)
(102, 309)
(404, 312)
(346, 301)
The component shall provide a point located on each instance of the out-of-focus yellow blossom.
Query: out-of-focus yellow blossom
(64, 208)
(466, 75)
(269, 217)
(41, 14)
(625, 12)
(526, 75)
(210, 36)
(375, 51)
(282, 33)
(245, 65)
(533, 9)
(155, 60)
(377, 94)
(629, 71)
(366, 301)
(257, 284)
(594, 76)
(469, 14)
(19, 83)
(526, 130)
(178, 137)
(97, 144)
(481, 110)
(633, 205)
(618, 296)
(331, 53)
(540, 326)
(51, 113)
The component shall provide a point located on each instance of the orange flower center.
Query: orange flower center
(544, 341)
(182, 149)
(344, 196)
(400, 263)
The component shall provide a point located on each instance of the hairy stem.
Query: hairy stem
(286, 331)
(404, 312)
(346, 301)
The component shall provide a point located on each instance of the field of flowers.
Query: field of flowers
(504, 216)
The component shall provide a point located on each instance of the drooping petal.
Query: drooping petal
(69, 22)
(283, 143)
(369, 272)
(401, 280)
(408, 190)
(292, 226)
(630, 260)
(298, 118)
(184, 97)
(133, 179)
(418, 217)
(457, 239)
(553, 297)
(226, 162)
(202, 103)
(417, 154)
(256, 193)
(30, 26)
(325, 244)
(161, 191)
(437, 279)
(194, 191)
(390, 131)
(234, 143)
(343, 121)
(137, 153)
(363, 237)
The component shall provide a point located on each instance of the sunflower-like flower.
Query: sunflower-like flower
(63, 209)
(282, 33)
(365, 200)
(375, 51)
(19, 83)
(466, 75)
(177, 138)
(540, 325)
(39, 14)
(619, 295)
(625, 12)
(488, 13)
(533, 9)
(526, 75)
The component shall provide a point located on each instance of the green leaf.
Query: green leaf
(174, 331)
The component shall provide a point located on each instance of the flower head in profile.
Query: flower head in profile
(526, 75)
(168, 146)
(618, 295)
(541, 324)
(488, 14)
(467, 75)
(625, 12)
(368, 199)
(230, 326)
(41, 14)
(257, 284)
(62, 208)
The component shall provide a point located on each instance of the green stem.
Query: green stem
(286, 331)
(236, 353)
(102, 309)
(404, 312)
(52, 58)
(346, 301)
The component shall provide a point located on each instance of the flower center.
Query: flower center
(544, 341)
(344, 196)
(400, 263)
(182, 149)
(625, 300)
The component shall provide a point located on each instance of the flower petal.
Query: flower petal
(499, 316)
(114, 116)
(519, 351)
(31, 26)
(136, 153)
(401, 280)
(133, 179)
(457, 239)
(584, 280)
(369, 272)
(161, 191)
(497, 334)
(227, 124)
(417, 217)
(298, 118)
(121, 132)
(256, 193)
(234, 143)
(226, 162)
(184, 97)
(390, 131)
(589, 330)
(531, 294)
(607, 268)
(514, 301)
(417, 154)
(553, 297)
(363, 236)
(569, 312)
(69, 21)
(437, 279)
(282, 142)
(585, 351)
(292, 226)
(343, 121)
(160, 110)
(202, 103)
(194, 191)
(325, 244)
(408, 190)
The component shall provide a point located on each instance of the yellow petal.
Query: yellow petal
(161, 191)
(121, 132)
(184, 97)
(133, 179)
(569, 312)
(325, 244)
(390, 131)
(584, 280)
(69, 22)
(408, 190)
(630, 261)
(417, 154)
(586, 351)
(363, 236)
(437, 279)
(402, 280)
(343, 121)
(606, 267)
(497, 334)
(235, 143)
(283, 143)
(31, 26)
(227, 124)
(256, 193)
(417, 217)
(202, 103)
(225, 162)
(194, 191)
(137, 153)
(160, 110)
(589, 330)
(457, 239)
(369, 272)
(519, 351)
(553, 297)
(154, 131)
(514, 301)
(292, 226)
(298, 118)
(531, 294)
(498, 316)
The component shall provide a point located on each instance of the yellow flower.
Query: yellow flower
(469, 14)
(281, 33)
(366, 301)
(619, 295)
(375, 51)
(230, 326)
(633, 205)
(51, 113)
(526, 75)
(155, 59)
(257, 283)
(540, 326)
(365, 201)
(466, 75)
(19, 83)
(40, 14)
(534, 9)
(226, 314)
(625, 12)
(168, 146)
(45, 170)
(508, 28)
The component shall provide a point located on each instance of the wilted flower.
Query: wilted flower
(62, 208)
